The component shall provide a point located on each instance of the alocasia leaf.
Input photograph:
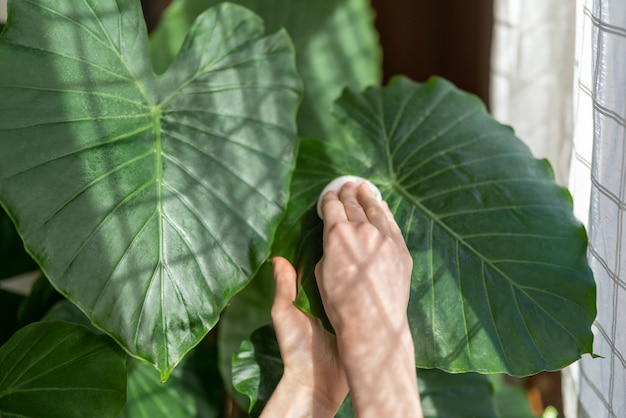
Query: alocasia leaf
(335, 41)
(148, 201)
(56, 369)
(500, 280)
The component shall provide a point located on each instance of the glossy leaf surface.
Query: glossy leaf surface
(500, 280)
(335, 41)
(193, 390)
(148, 201)
(56, 369)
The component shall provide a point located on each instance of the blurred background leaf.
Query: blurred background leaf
(336, 46)
(61, 370)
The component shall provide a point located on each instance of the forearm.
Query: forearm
(381, 372)
(293, 400)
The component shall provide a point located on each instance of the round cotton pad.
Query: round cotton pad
(338, 183)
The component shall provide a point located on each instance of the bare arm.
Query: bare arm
(313, 383)
(364, 280)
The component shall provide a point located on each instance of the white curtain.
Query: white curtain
(3, 10)
(532, 48)
(532, 73)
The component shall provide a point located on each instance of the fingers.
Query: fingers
(355, 204)
(359, 204)
(332, 209)
(285, 284)
(372, 208)
(352, 206)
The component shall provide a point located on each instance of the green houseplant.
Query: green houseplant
(151, 202)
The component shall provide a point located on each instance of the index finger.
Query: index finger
(333, 210)
(373, 208)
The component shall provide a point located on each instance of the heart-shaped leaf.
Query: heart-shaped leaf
(56, 369)
(148, 201)
(336, 45)
(500, 280)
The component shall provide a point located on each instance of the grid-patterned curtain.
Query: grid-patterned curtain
(531, 40)
(598, 181)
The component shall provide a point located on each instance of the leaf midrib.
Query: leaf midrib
(157, 113)
(436, 220)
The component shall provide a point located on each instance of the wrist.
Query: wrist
(294, 398)
(376, 352)
(325, 396)
(361, 343)
(381, 362)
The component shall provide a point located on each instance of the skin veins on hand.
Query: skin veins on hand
(364, 278)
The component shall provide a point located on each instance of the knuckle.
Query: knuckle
(276, 313)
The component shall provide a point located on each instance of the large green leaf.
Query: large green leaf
(194, 388)
(500, 280)
(56, 369)
(336, 46)
(148, 201)
(257, 369)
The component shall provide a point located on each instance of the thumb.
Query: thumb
(285, 282)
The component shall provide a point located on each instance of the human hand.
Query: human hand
(313, 383)
(364, 280)
(365, 274)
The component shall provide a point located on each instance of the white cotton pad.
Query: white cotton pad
(338, 183)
